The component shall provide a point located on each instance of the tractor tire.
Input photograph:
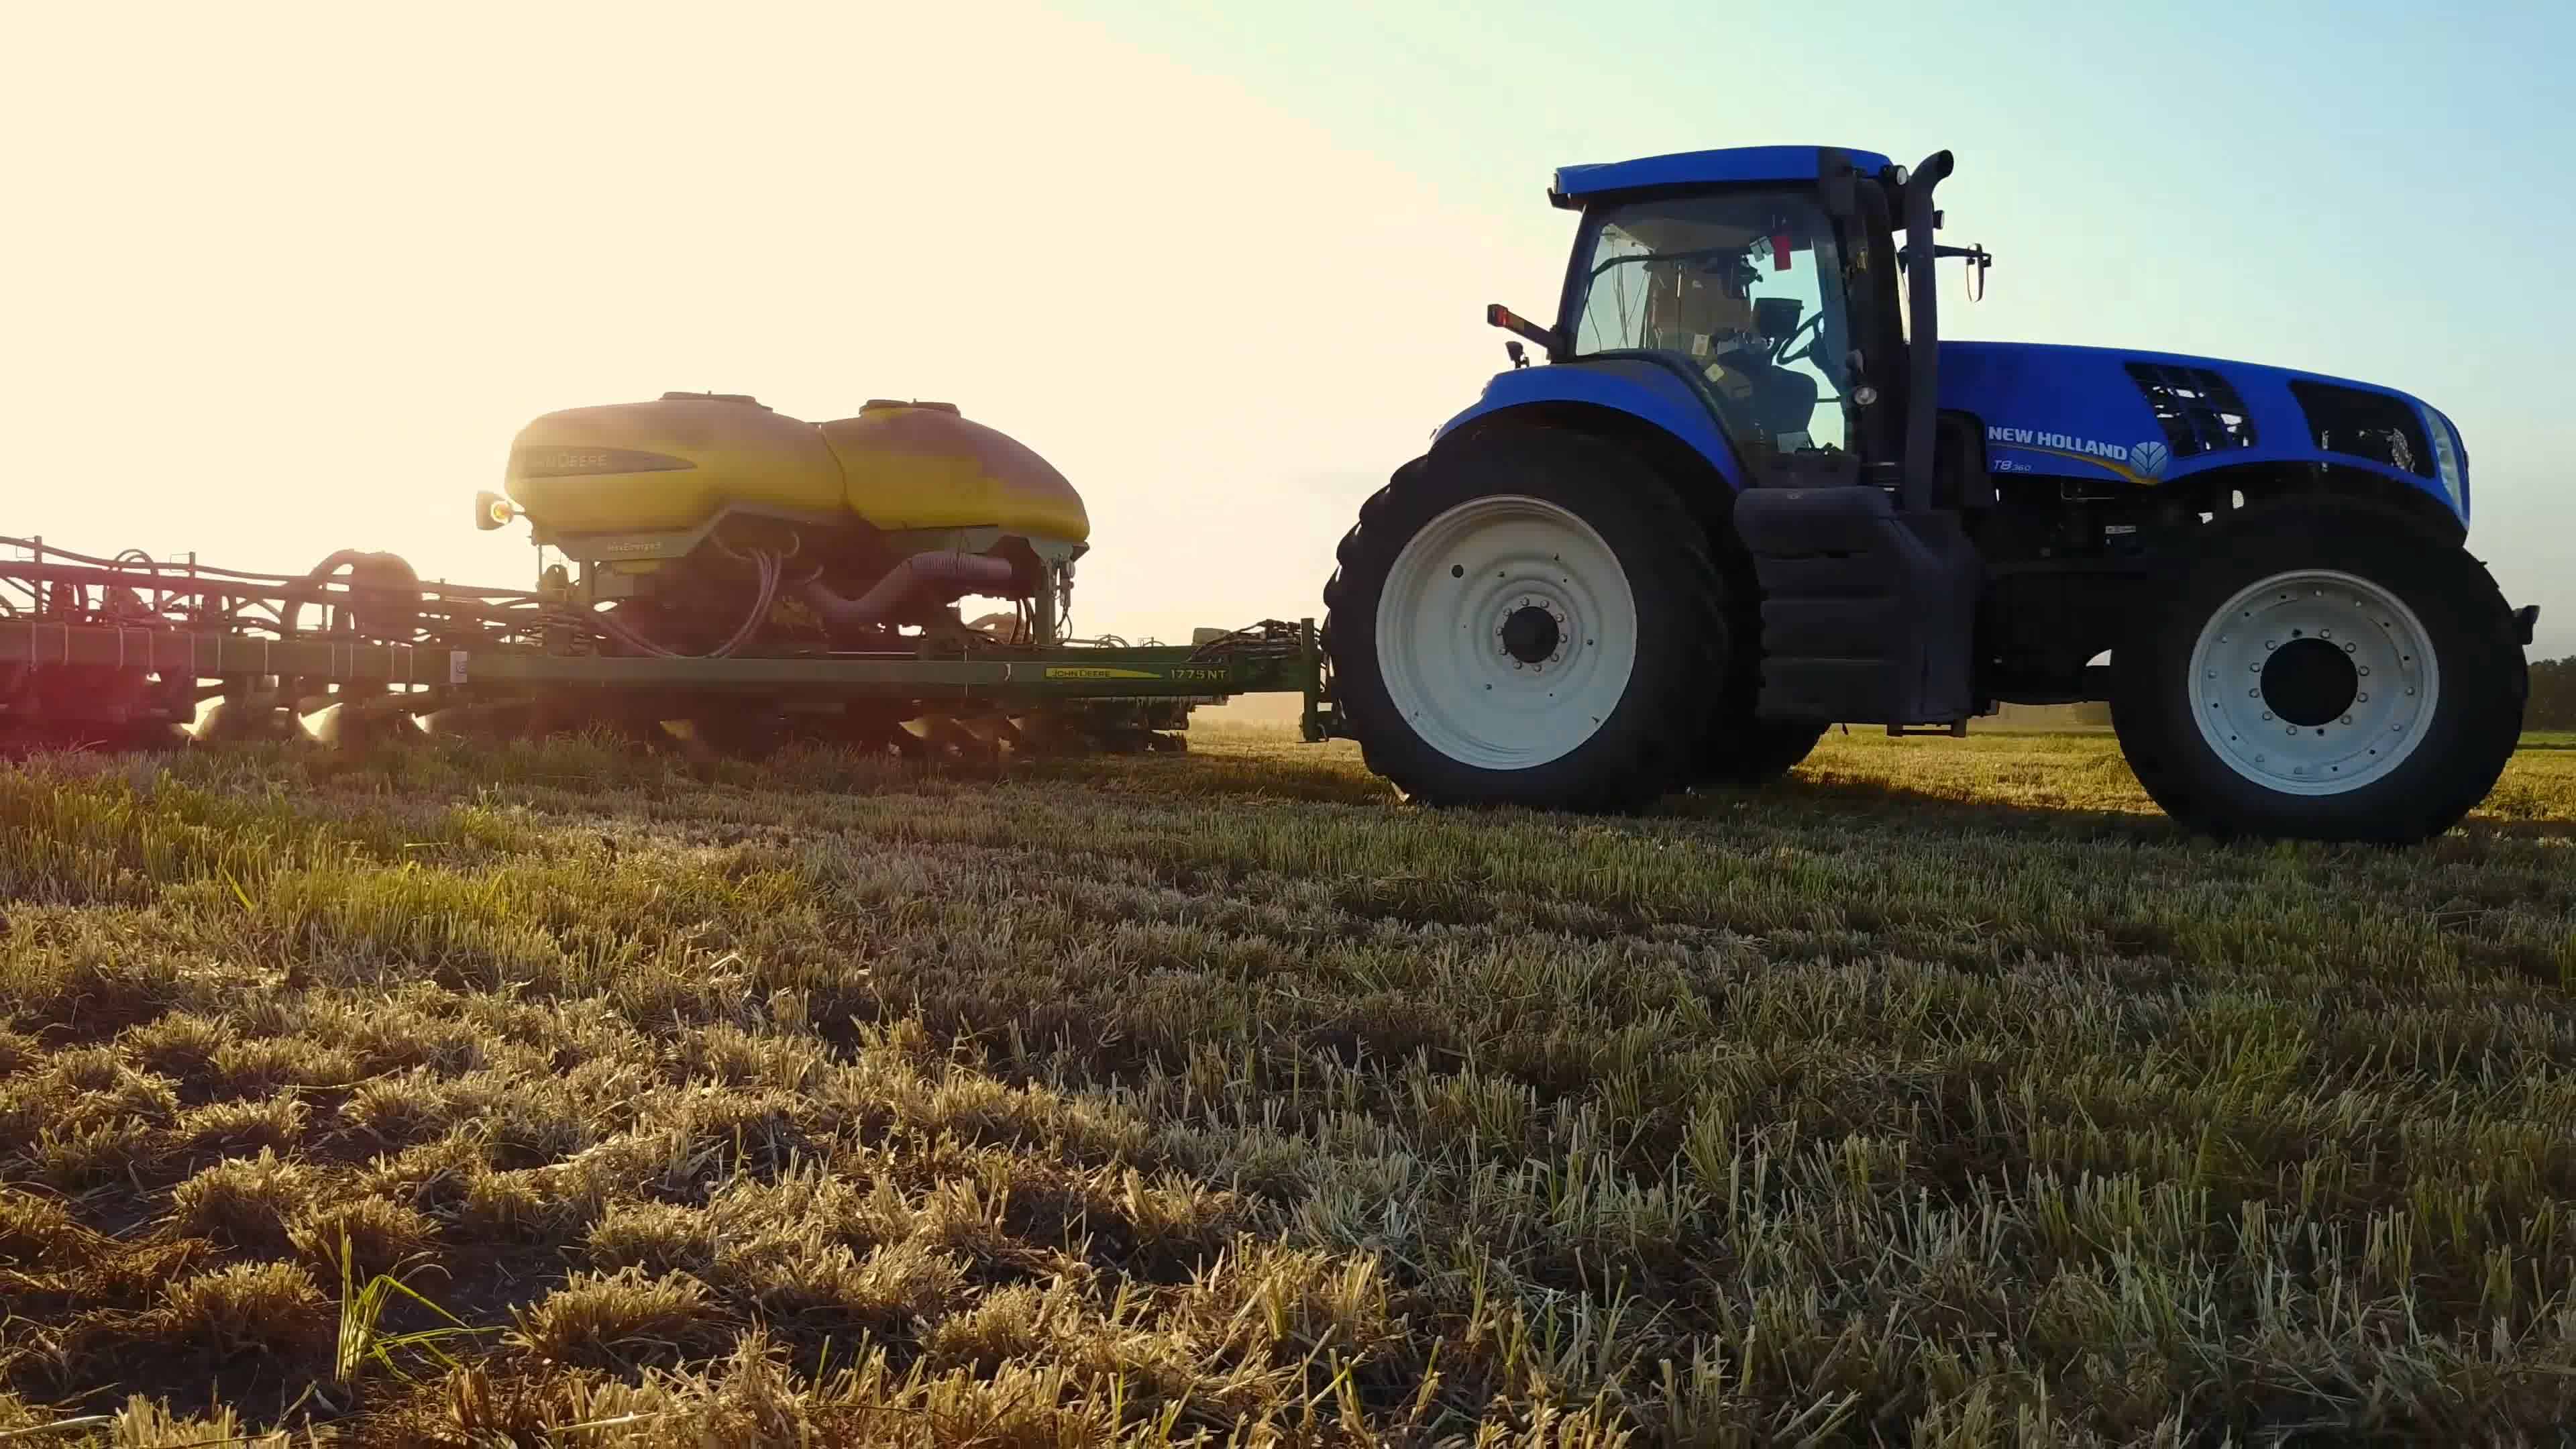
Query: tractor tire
(1742, 748)
(1527, 617)
(2321, 671)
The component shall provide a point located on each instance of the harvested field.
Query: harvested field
(1944, 1095)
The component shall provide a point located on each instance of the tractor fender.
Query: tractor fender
(1652, 395)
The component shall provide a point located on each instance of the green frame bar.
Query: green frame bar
(1168, 671)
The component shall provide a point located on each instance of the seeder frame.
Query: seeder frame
(113, 642)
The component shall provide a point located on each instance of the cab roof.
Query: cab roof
(1703, 168)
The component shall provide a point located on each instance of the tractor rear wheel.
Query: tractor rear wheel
(2322, 672)
(1528, 617)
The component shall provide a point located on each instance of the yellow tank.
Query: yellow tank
(672, 464)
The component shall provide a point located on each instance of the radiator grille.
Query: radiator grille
(2198, 409)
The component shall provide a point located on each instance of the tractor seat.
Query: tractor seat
(1774, 401)
(1784, 400)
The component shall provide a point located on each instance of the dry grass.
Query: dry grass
(1944, 1095)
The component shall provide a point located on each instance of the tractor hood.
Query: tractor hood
(2144, 418)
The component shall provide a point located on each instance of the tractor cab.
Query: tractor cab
(1764, 280)
(1745, 284)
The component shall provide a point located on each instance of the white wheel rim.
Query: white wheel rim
(2265, 712)
(1487, 578)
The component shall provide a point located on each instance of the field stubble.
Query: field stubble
(1943, 1095)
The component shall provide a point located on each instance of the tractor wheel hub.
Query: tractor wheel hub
(1532, 635)
(1506, 632)
(2314, 682)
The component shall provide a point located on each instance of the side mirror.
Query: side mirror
(1978, 260)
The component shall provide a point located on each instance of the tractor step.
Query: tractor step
(1956, 729)
(1868, 612)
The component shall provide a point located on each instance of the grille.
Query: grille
(2369, 425)
(2198, 409)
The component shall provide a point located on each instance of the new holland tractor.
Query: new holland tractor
(1749, 494)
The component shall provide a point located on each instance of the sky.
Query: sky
(285, 279)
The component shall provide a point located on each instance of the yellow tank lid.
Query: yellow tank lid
(925, 465)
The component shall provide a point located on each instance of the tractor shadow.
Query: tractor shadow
(1884, 805)
(1890, 806)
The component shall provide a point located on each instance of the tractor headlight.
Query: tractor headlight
(2450, 459)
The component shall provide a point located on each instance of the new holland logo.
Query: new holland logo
(2139, 462)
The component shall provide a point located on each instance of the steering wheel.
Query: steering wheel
(1781, 356)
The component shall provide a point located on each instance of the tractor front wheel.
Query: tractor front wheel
(2322, 672)
(1527, 617)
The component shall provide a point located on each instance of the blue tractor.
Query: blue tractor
(1748, 495)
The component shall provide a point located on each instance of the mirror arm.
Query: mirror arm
(1498, 315)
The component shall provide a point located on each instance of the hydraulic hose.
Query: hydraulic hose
(905, 582)
(763, 598)
(901, 583)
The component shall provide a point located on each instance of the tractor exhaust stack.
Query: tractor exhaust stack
(1923, 342)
